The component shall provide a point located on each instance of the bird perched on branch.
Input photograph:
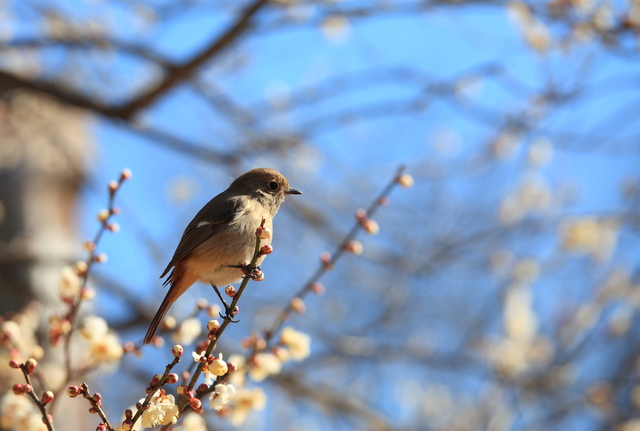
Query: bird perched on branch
(222, 236)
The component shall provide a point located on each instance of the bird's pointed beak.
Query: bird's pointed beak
(293, 192)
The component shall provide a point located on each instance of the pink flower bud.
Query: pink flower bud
(177, 350)
(370, 226)
(202, 387)
(150, 390)
(128, 413)
(230, 291)
(87, 293)
(185, 375)
(113, 186)
(384, 201)
(195, 403)
(297, 305)
(100, 258)
(172, 378)
(47, 397)
(49, 418)
(198, 410)
(155, 380)
(361, 214)
(325, 258)
(81, 266)
(88, 245)
(354, 247)
(264, 232)
(405, 180)
(14, 364)
(18, 389)
(125, 174)
(31, 365)
(266, 249)
(317, 288)
(101, 427)
(182, 389)
(127, 424)
(92, 410)
(115, 210)
(213, 325)
(97, 397)
(157, 341)
(232, 367)
(202, 303)
(27, 388)
(113, 227)
(257, 275)
(74, 391)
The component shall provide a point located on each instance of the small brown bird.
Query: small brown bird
(221, 237)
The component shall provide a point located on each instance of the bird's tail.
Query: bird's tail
(180, 281)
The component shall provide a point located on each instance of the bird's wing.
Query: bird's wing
(216, 214)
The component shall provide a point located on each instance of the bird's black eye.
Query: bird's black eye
(273, 185)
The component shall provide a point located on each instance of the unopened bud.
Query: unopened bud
(47, 397)
(101, 427)
(171, 378)
(74, 391)
(370, 226)
(113, 186)
(361, 214)
(230, 291)
(27, 388)
(202, 387)
(266, 249)
(182, 389)
(195, 403)
(213, 325)
(81, 266)
(100, 257)
(317, 288)
(185, 375)
(264, 232)
(92, 410)
(384, 201)
(257, 275)
(87, 293)
(128, 413)
(127, 424)
(405, 180)
(49, 419)
(155, 380)
(232, 367)
(103, 215)
(218, 367)
(157, 341)
(18, 389)
(89, 245)
(113, 227)
(31, 365)
(177, 350)
(354, 247)
(202, 303)
(125, 174)
(297, 305)
(213, 310)
(325, 258)
(198, 410)
(14, 364)
(150, 390)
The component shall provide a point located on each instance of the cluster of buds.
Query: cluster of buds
(213, 325)
(22, 388)
(96, 400)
